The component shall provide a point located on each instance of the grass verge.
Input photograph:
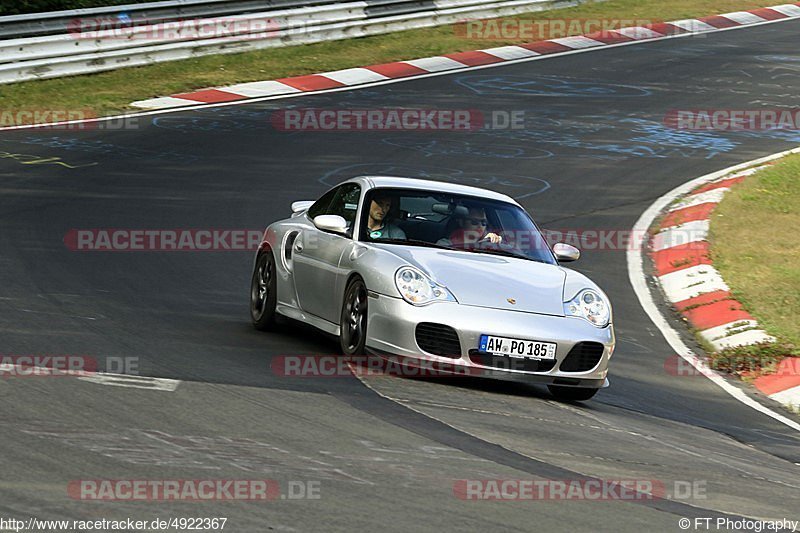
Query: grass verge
(755, 245)
(111, 92)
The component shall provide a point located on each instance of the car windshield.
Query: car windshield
(452, 221)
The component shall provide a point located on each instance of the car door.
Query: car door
(317, 254)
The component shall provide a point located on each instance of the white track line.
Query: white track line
(390, 81)
(636, 256)
(132, 381)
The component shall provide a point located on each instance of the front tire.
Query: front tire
(353, 323)
(264, 292)
(571, 394)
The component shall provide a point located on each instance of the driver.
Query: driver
(378, 225)
(472, 229)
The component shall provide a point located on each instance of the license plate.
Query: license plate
(520, 348)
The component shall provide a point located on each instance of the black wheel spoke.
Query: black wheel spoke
(262, 292)
(354, 317)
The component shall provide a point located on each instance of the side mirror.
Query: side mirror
(301, 206)
(566, 252)
(331, 223)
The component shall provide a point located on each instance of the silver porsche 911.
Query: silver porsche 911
(435, 272)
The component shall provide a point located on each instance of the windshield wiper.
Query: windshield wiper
(506, 253)
(427, 244)
(412, 242)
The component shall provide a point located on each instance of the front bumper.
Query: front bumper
(391, 330)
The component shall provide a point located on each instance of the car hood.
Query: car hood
(489, 280)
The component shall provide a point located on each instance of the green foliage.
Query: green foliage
(755, 245)
(754, 358)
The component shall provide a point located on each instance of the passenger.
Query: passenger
(378, 225)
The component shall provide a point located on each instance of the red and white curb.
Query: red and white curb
(680, 254)
(461, 60)
(636, 257)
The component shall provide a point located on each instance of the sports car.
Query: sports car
(436, 273)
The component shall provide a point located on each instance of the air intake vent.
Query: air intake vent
(438, 339)
(511, 363)
(288, 243)
(583, 357)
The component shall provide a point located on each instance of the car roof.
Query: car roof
(381, 182)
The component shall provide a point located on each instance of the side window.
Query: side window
(320, 207)
(345, 203)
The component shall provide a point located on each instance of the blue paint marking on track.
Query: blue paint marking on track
(553, 86)
(521, 186)
(778, 58)
(430, 147)
(74, 144)
(657, 134)
(588, 134)
(193, 124)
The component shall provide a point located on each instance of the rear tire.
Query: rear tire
(353, 323)
(571, 394)
(263, 292)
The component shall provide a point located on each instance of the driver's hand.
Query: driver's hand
(494, 238)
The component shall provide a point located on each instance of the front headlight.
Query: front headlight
(589, 305)
(418, 289)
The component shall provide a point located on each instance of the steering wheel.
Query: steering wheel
(486, 244)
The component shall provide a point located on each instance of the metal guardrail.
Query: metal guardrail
(169, 36)
(55, 22)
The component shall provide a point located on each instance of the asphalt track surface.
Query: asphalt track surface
(386, 451)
